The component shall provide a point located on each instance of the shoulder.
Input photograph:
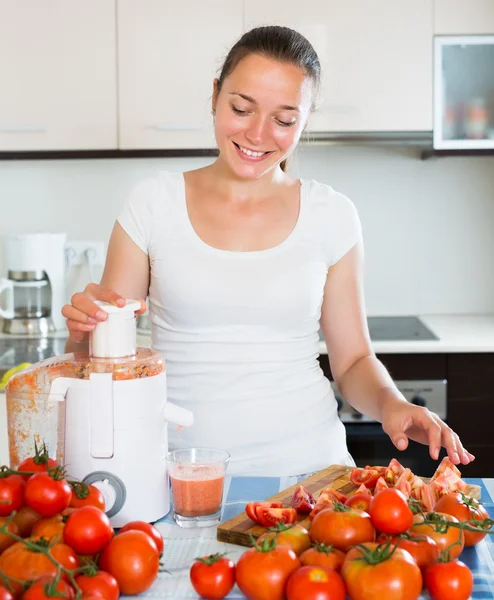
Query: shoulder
(155, 189)
(323, 199)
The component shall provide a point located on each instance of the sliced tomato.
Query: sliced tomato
(380, 485)
(250, 509)
(268, 517)
(368, 477)
(336, 495)
(302, 500)
(362, 490)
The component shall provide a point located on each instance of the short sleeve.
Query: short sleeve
(136, 217)
(336, 220)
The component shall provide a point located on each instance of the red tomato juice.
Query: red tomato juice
(197, 489)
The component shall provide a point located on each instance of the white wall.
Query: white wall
(427, 224)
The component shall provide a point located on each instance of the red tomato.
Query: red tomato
(37, 463)
(268, 517)
(342, 528)
(11, 494)
(213, 576)
(315, 583)
(294, 536)
(423, 549)
(395, 578)
(449, 581)
(43, 590)
(5, 594)
(302, 500)
(361, 501)
(87, 495)
(25, 520)
(251, 508)
(390, 512)
(131, 557)
(6, 540)
(87, 530)
(464, 509)
(444, 538)
(367, 476)
(321, 555)
(262, 571)
(21, 563)
(101, 585)
(151, 530)
(47, 495)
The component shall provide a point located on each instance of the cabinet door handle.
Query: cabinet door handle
(22, 129)
(178, 127)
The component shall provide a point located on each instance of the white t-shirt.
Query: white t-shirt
(239, 330)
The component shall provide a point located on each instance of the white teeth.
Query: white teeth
(250, 153)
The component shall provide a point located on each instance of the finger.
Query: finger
(98, 292)
(398, 435)
(433, 431)
(463, 454)
(76, 326)
(83, 303)
(77, 336)
(74, 314)
(451, 444)
(143, 308)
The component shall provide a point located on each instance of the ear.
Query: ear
(215, 93)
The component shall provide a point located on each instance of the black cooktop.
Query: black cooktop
(399, 328)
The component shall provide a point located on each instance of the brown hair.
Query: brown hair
(281, 43)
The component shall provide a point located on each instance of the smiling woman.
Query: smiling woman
(242, 264)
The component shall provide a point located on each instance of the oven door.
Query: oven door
(370, 445)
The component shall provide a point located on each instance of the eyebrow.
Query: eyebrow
(250, 99)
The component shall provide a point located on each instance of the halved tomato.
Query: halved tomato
(302, 500)
(268, 517)
(250, 509)
(366, 476)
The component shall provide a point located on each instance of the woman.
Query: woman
(242, 263)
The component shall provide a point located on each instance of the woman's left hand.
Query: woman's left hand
(402, 421)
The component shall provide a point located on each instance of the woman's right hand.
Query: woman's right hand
(83, 314)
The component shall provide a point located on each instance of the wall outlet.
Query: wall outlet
(78, 253)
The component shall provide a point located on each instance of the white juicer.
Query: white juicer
(112, 432)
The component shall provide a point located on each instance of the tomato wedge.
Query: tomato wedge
(302, 500)
(268, 517)
(251, 507)
(368, 477)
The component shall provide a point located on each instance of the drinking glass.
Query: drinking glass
(197, 477)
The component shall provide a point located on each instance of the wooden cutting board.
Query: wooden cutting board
(238, 529)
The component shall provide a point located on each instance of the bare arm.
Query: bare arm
(126, 275)
(361, 377)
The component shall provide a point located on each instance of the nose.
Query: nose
(255, 132)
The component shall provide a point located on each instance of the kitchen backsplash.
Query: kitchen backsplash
(428, 225)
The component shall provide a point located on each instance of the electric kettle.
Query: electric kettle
(102, 414)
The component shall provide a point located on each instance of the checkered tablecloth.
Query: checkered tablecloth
(183, 545)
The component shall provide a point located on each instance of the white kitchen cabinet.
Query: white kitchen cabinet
(463, 17)
(169, 53)
(58, 75)
(376, 59)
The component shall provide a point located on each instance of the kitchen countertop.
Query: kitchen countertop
(457, 333)
(183, 545)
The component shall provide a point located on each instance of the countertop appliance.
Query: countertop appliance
(102, 414)
(35, 284)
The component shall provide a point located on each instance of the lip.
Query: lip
(251, 158)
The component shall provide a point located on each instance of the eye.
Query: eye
(285, 124)
(237, 111)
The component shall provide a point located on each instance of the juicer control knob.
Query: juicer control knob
(112, 488)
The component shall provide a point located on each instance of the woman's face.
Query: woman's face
(261, 111)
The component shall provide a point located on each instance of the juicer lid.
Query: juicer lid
(115, 336)
(130, 306)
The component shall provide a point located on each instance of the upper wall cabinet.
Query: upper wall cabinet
(57, 74)
(463, 17)
(376, 59)
(169, 54)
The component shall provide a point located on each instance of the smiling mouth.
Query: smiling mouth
(251, 153)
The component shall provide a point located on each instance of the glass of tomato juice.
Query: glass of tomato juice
(197, 477)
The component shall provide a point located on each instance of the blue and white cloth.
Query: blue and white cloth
(183, 545)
